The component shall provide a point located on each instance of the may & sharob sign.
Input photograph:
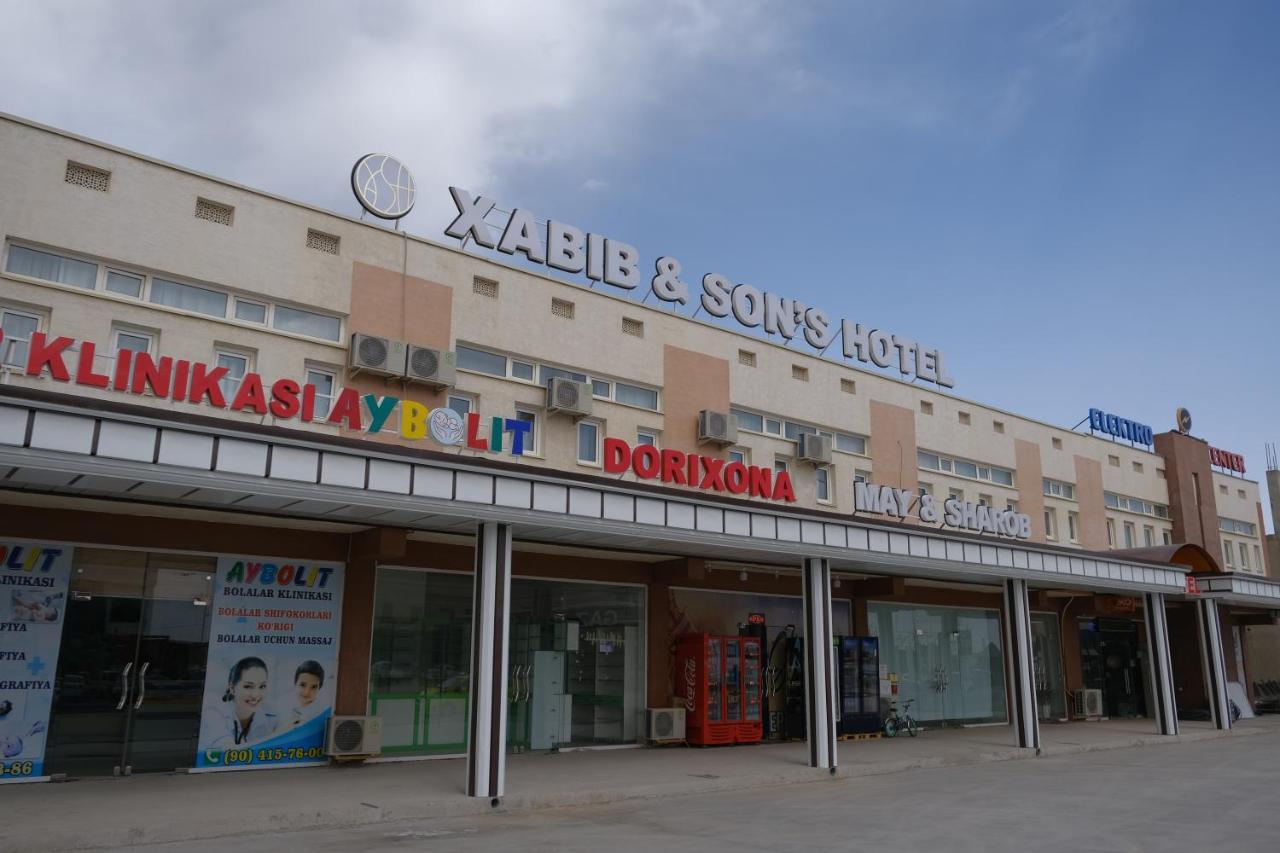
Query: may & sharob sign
(33, 604)
(273, 663)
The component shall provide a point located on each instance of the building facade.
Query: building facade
(196, 406)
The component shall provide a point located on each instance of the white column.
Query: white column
(1166, 706)
(1215, 671)
(490, 620)
(1022, 685)
(820, 668)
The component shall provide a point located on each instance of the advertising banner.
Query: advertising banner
(33, 598)
(273, 663)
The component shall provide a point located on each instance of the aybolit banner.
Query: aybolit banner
(33, 595)
(273, 663)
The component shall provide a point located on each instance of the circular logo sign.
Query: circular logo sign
(1183, 418)
(445, 426)
(383, 186)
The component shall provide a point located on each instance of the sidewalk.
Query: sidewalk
(173, 807)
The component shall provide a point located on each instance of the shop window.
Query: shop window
(237, 365)
(589, 442)
(822, 484)
(326, 385)
(463, 404)
(18, 328)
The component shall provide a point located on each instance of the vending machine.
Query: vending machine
(720, 679)
(858, 671)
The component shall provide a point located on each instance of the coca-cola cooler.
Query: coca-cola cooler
(720, 680)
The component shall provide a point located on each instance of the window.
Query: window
(1073, 527)
(1138, 505)
(1111, 533)
(746, 358)
(1148, 535)
(958, 494)
(1113, 461)
(1059, 489)
(740, 455)
(531, 437)
(188, 297)
(1244, 528)
(1168, 536)
(749, 421)
(126, 284)
(986, 500)
(326, 385)
(779, 465)
(1257, 557)
(1057, 443)
(521, 370)
(481, 361)
(1226, 551)
(589, 442)
(926, 408)
(301, 322)
(237, 365)
(773, 427)
(1051, 523)
(463, 404)
(135, 341)
(851, 443)
(251, 312)
(18, 327)
(1129, 533)
(964, 468)
(633, 395)
(924, 489)
(1011, 505)
(600, 388)
(848, 386)
(822, 484)
(860, 476)
(965, 419)
(50, 267)
(644, 437)
(800, 373)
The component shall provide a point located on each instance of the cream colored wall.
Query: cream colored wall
(1232, 505)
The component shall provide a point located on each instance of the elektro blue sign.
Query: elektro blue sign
(1101, 421)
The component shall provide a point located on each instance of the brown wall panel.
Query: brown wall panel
(691, 382)
(1186, 461)
(1029, 480)
(893, 446)
(1092, 504)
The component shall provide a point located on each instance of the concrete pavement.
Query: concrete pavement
(176, 807)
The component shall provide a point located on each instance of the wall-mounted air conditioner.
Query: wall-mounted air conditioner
(717, 428)
(1089, 704)
(373, 354)
(353, 738)
(569, 397)
(811, 447)
(665, 724)
(432, 366)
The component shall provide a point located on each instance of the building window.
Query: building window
(740, 455)
(18, 328)
(1148, 535)
(1129, 533)
(133, 340)
(308, 323)
(1011, 505)
(123, 283)
(1051, 523)
(861, 476)
(326, 385)
(1073, 527)
(958, 494)
(531, 437)
(1168, 536)
(522, 370)
(746, 358)
(822, 484)
(1059, 489)
(47, 266)
(1111, 533)
(1257, 558)
(1244, 555)
(589, 442)
(481, 361)
(1226, 551)
(779, 465)
(924, 488)
(1160, 474)
(926, 408)
(237, 365)
(986, 500)
(463, 404)
(964, 468)
(648, 437)
(1138, 505)
(251, 312)
(188, 297)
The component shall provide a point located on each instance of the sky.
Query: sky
(1078, 202)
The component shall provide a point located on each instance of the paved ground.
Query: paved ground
(407, 804)
(1208, 795)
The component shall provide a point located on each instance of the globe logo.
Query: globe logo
(383, 186)
(445, 426)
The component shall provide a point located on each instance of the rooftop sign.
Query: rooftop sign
(569, 249)
(1101, 421)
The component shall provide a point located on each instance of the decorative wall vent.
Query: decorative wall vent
(562, 308)
(485, 287)
(212, 211)
(635, 328)
(848, 386)
(322, 242)
(801, 373)
(80, 175)
(746, 357)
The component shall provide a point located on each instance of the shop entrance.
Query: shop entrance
(1111, 660)
(131, 670)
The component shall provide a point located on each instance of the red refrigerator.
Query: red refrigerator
(720, 680)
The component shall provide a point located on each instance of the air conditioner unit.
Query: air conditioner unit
(666, 724)
(814, 448)
(372, 354)
(569, 397)
(717, 428)
(1089, 704)
(432, 366)
(353, 738)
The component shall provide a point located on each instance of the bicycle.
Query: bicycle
(901, 722)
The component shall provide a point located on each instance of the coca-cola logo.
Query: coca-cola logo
(690, 682)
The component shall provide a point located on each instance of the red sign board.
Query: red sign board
(1193, 588)
(1223, 459)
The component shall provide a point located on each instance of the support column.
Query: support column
(1161, 664)
(1022, 684)
(820, 671)
(1215, 676)
(490, 619)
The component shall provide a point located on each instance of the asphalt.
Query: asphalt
(243, 809)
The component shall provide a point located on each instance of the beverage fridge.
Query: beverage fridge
(720, 678)
(858, 670)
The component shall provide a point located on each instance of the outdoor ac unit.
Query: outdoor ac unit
(1088, 704)
(572, 398)
(716, 428)
(814, 448)
(432, 366)
(373, 354)
(353, 737)
(666, 724)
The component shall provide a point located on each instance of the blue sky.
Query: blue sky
(1079, 202)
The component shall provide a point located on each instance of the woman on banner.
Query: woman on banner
(241, 718)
